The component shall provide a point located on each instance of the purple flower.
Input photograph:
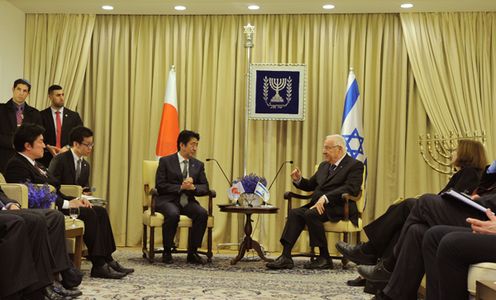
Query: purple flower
(40, 196)
(250, 181)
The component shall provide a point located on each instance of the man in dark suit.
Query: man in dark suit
(13, 113)
(46, 236)
(98, 237)
(58, 122)
(181, 177)
(337, 174)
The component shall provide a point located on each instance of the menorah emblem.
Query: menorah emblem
(440, 148)
(277, 84)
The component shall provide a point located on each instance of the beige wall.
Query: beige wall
(12, 23)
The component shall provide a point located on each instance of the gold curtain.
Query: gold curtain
(57, 48)
(452, 57)
(124, 87)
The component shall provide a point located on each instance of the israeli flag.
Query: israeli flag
(351, 126)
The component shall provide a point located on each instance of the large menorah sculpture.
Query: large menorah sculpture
(439, 153)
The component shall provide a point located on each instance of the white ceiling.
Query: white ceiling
(195, 7)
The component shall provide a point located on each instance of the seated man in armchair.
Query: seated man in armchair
(98, 236)
(339, 173)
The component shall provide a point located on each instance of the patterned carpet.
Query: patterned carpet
(248, 279)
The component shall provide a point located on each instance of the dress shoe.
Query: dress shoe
(59, 289)
(377, 273)
(373, 287)
(282, 262)
(380, 296)
(194, 258)
(359, 281)
(355, 254)
(119, 268)
(319, 263)
(167, 258)
(106, 271)
(50, 294)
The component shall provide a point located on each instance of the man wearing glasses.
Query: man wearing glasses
(58, 121)
(70, 167)
(339, 173)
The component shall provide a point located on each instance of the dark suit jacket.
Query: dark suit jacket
(63, 169)
(347, 178)
(20, 170)
(70, 119)
(169, 179)
(8, 126)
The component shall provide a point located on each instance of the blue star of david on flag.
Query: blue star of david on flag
(351, 126)
(354, 143)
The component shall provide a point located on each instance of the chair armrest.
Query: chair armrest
(211, 195)
(290, 195)
(17, 192)
(71, 190)
(347, 198)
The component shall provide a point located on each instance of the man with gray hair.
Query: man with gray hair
(339, 173)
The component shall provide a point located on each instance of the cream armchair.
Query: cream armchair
(152, 219)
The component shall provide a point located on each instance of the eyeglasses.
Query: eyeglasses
(89, 145)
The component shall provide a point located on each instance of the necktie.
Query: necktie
(58, 122)
(183, 200)
(19, 116)
(332, 169)
(40, 169)
(78, 169)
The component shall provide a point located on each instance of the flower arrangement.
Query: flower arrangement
(250, 181)
(40, 196)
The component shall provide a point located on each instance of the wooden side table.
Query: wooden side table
(485, 290)
(77, 234)
(248, 243)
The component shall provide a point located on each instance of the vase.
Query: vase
(249, 199)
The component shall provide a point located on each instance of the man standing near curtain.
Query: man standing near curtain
(339, 173)
(58, 122)
(13, 114)
(181, 177)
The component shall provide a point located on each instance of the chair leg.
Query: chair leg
(209, 245)
(145, 238)
(344, 261)
(152, 245)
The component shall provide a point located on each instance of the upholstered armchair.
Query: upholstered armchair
(153, 219)
(344, 226)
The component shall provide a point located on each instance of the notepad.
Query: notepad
(452, 194)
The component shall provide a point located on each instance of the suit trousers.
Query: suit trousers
(98, 235)
(429, 210)
(448, 253)
(297, 219)
(383, 232)
(172, 212)
(25, 254)
(55, 224)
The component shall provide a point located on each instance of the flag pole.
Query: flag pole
(249, 31)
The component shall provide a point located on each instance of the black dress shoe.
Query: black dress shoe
(167, 258)
(355, 254)
(106, 271)
(59, 289)
(282, 262)
(119, 268)
(359, 281)
(319, 263)
(50, 294)
(380, 296)
(377, 273)
(194, 258)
